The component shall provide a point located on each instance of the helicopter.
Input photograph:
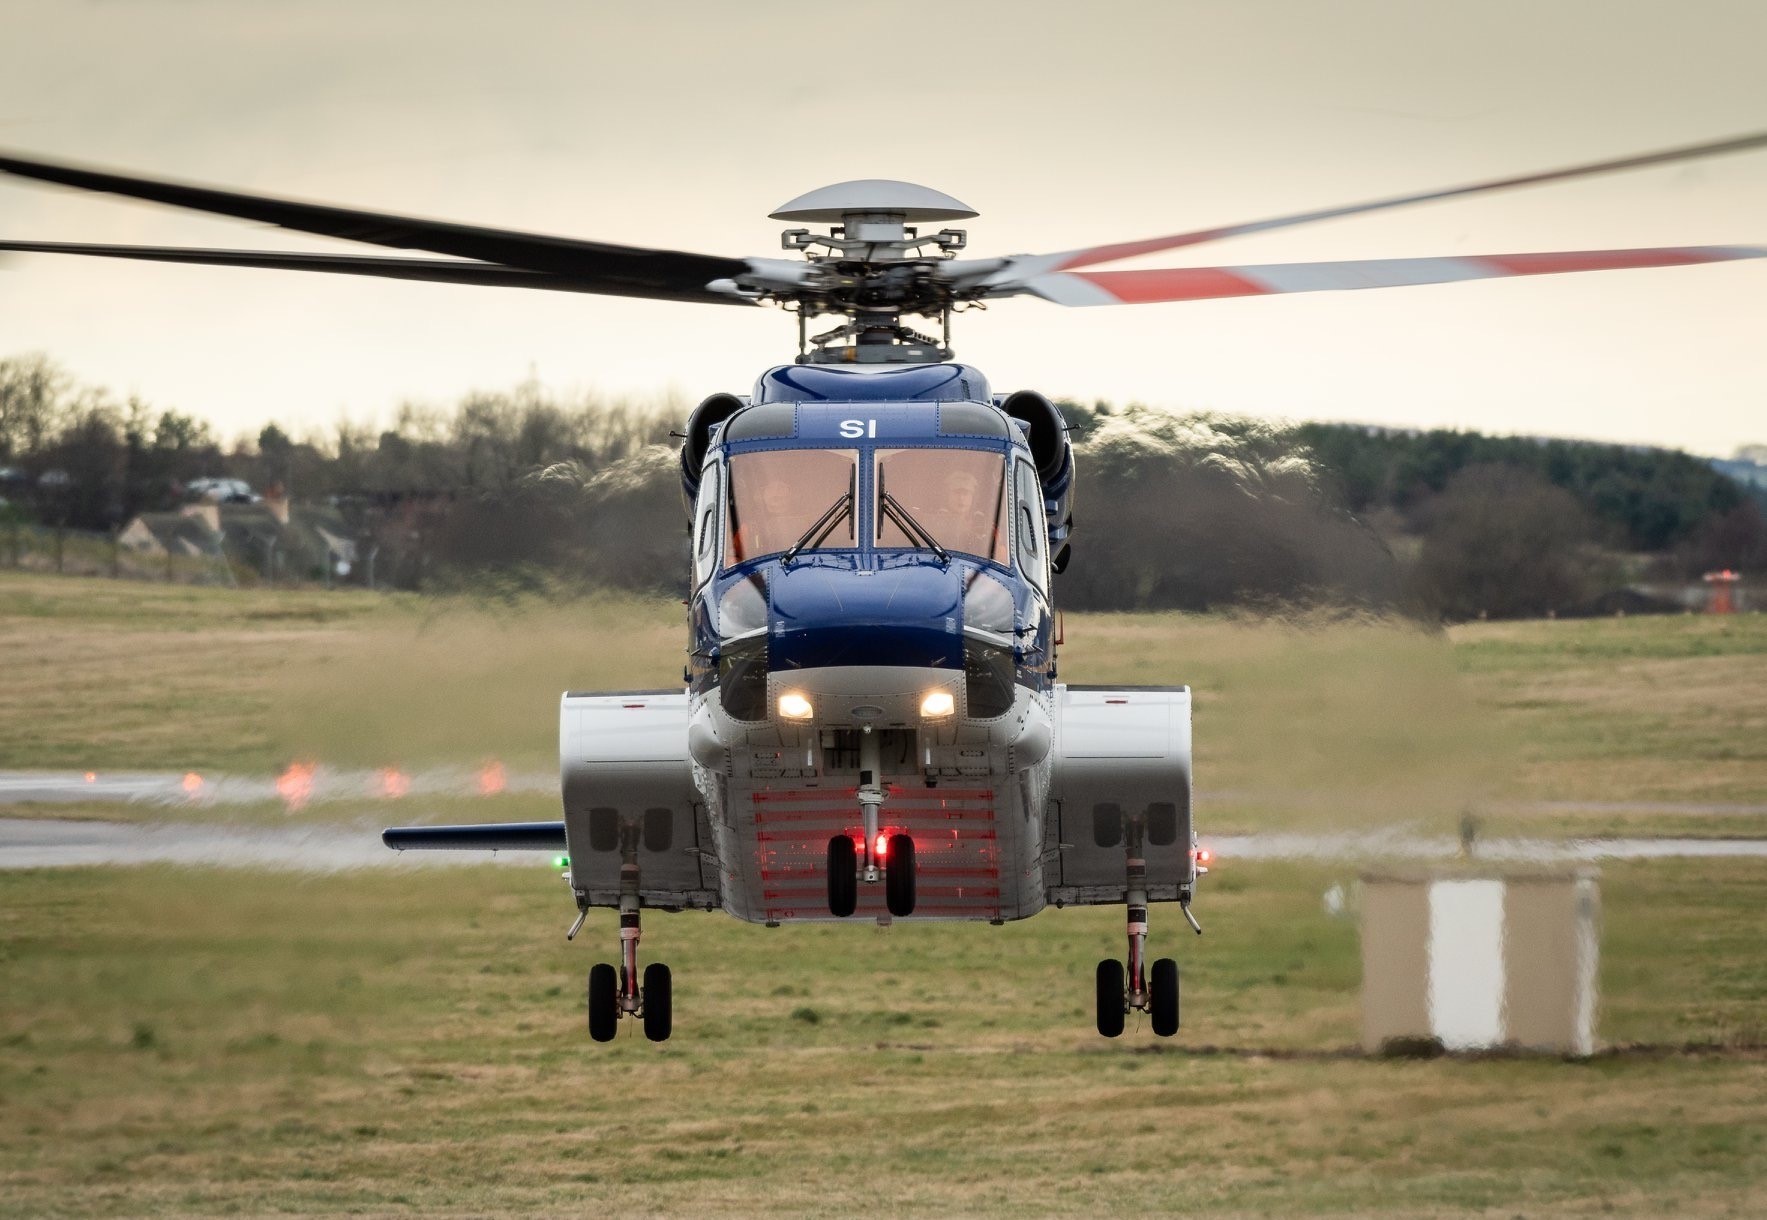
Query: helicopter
(870, 722)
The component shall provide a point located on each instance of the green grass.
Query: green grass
(1570, 644)
(197, 1042)
(1635, 709)
(110, 675)
(1314, 723)
(181, 1042)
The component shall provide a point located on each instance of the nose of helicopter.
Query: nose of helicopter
(911, 615)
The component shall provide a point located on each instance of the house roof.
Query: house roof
(181, 534)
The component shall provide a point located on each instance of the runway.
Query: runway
(299, 784)
(53, 843)
(304, 784)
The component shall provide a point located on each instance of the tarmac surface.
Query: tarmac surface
(301, 783)
(193, 829)
(61, 843)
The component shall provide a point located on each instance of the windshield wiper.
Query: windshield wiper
(813, 536)
(907, 524)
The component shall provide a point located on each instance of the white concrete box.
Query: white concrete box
(1480, 960)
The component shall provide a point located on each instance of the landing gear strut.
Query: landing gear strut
(888, 859)
(613, 995)
(1120, 990)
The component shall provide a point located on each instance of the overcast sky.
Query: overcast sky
(683, 124)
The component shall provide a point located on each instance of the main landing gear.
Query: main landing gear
(888, 858)
(616, 994)
(1121, 990)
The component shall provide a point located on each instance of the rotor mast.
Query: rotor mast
(872, 267)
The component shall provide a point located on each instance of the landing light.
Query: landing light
(939, 703)
(794, 706)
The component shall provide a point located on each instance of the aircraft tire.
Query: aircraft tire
(604, 1002)
(1110, 997)
(1164, 986)
(843, 877)
(899, 880)
(658, 1014)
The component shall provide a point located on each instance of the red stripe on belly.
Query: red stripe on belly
(933, 838)
(791, 795)
(808, 893)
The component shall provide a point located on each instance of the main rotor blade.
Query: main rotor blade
(1092, 255)
(1209, 283)
(598, 266)
(432, 270)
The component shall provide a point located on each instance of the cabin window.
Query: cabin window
(957, 496)
(742, 678)
(1032, 556)
(988, 676)
(706, 549)
(778, 497)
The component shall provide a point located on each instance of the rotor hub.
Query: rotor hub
(872, 265)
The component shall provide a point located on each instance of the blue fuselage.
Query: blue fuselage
(869, 591)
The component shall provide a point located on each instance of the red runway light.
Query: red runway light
(394, 783)
(492, 778)
(192, 783)
(883, 845)
(91, 777)
(295, 785)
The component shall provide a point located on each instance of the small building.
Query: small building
(172, 533)
(273, 538)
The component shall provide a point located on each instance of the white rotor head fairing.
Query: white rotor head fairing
(831, 204)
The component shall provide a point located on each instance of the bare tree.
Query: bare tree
(1502, 542)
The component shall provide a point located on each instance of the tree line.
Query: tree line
(526, 488)
(1648, 499)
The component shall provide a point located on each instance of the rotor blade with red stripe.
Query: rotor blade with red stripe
(1210, 283)
(1025, 266)
(596, 266)
(429, 270)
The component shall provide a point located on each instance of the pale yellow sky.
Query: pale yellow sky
(682, 125)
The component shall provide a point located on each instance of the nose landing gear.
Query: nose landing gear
(894, 866)
(843, 879)
(899, 876)
(889, 859)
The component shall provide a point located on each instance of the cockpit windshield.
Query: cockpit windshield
(777, 496)
(958, 496)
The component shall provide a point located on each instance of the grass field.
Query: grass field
(1308, 723)
(204, 1041)
(410, 1041)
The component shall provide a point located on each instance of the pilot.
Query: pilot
(774, 523)
(778, 498)
(962, 491)
(961, 520)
